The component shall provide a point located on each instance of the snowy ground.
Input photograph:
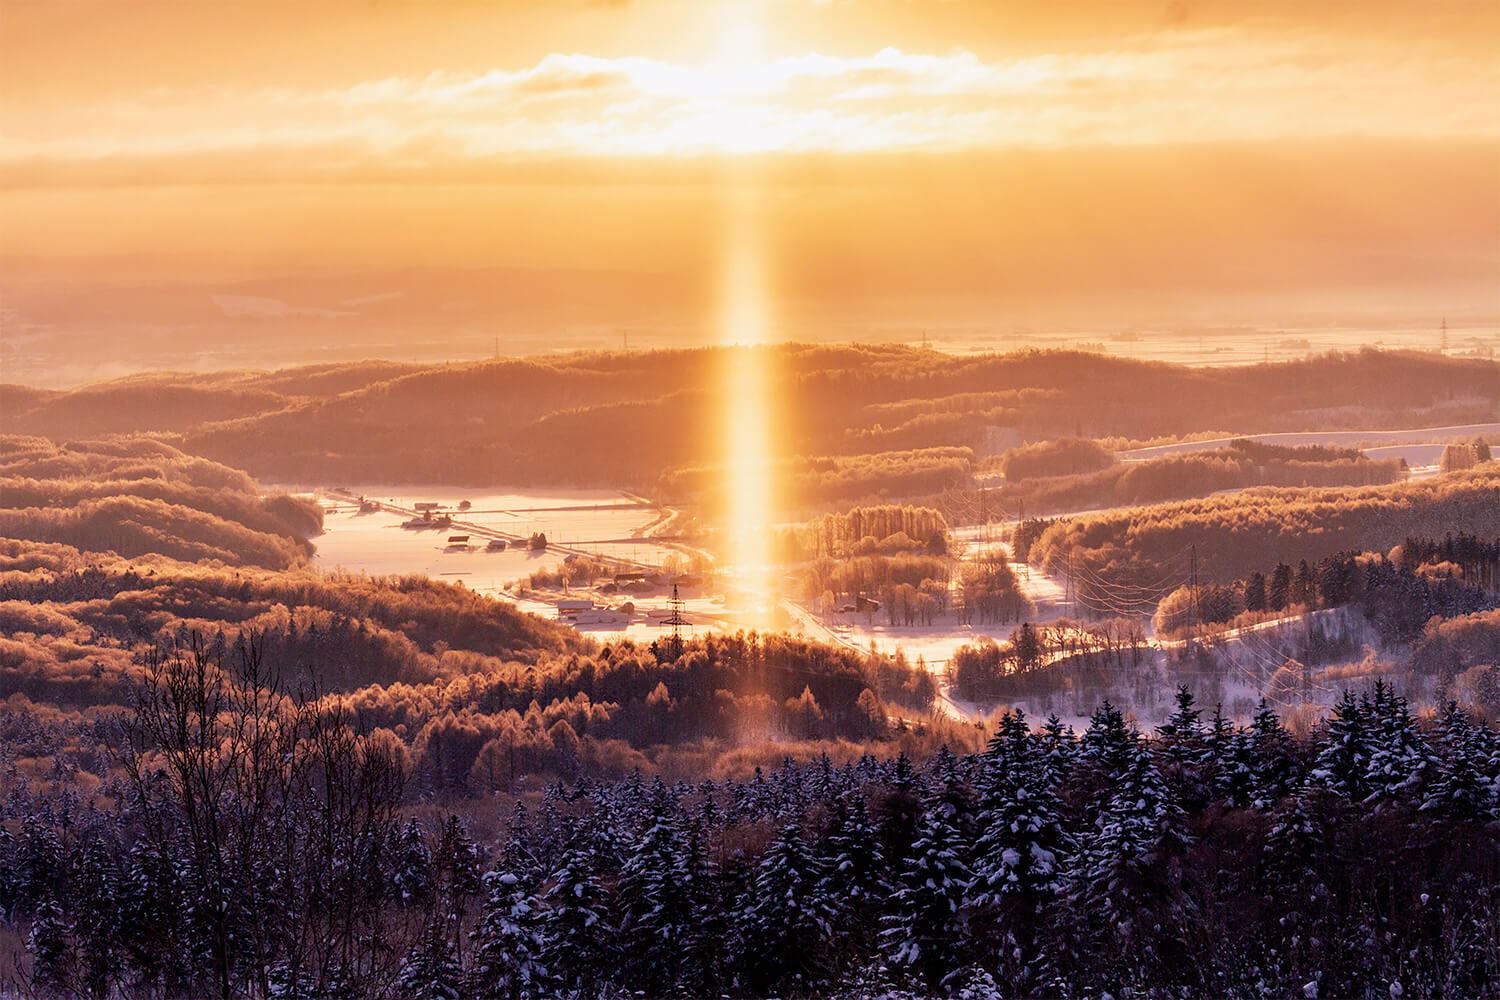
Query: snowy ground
(598, 521)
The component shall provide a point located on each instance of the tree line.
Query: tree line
(263, 853)
(1398, 593)
(1138, 555)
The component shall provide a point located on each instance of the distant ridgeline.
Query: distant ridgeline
(632, 419)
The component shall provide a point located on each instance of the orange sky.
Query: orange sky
(999, 160)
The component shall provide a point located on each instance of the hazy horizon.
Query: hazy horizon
(342, 183)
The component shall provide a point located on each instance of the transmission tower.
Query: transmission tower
(676, 620)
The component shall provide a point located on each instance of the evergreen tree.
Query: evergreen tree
(431, 970)
(1020, 856)
(924, 927)
(1401, 764)
(854, 880)
(1460, 790)
(1255, 593)
(656, 918)
(1181, 741)
(1183, 728)
(574, 926)
(39, 862)
(1274, 751)
(1347, 738)
(96, 909)
(1058, 745)
(153, 921)
(1107, 745)
(787, 924)
(413, 874)
(1279, 593)
(898, 810)
(1293, 859)
(712, 898)
(508, 941)
(1304, 586)
(52, 957)
(9, 868)
(457, 868)
(1125, 884)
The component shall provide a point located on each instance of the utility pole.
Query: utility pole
(1444, 342)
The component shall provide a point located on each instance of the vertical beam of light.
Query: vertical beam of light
(747, 444)
(744, 335)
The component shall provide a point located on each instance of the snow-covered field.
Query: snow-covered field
(598, 521)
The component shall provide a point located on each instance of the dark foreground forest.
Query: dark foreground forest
(259, 847)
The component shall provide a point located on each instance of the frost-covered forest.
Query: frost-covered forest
(258, 848)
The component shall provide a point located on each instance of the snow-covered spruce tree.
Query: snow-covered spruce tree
(153, 923)
(1401, 763)
(53, 961)
(714, 895)
(39, 862)
(1018, 860)
(855, 881)
(1224, 755)
(96, 913)
(1182, 734)
(457, 867)
(1124, 891)
(575, 930)
(951, 792)
(924, 924)
(1346, 743)
(413, 867)
(1291, 880)
(1059, 745)
(1184, 753)
(508, 941)
(9, 880)
(286, 981)
(1105, 749)
(1011, 745)
(431, 970)
(1277, 771)
(1237, 768)
(785, 926)
(654, 911)
(1461, 791)
(897, 809)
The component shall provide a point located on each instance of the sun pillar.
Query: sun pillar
(745, 337)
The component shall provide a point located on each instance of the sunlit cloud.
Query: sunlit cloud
(1204, 86)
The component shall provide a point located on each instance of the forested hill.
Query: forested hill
(135, 497)
(626, 419)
